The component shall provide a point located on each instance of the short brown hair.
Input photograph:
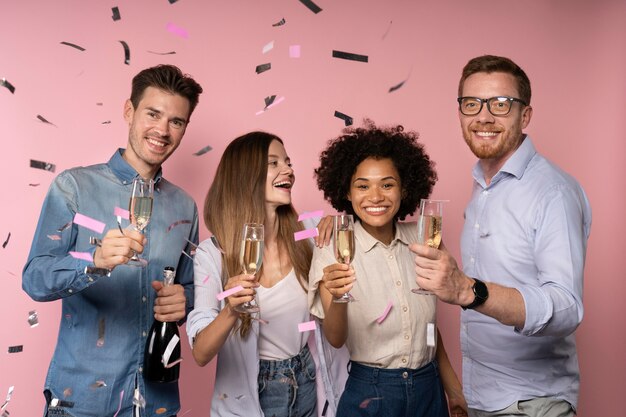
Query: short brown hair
(167, 78)
(492, 63)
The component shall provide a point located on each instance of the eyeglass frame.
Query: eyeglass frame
(487, 100)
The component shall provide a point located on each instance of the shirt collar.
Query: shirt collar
(367, 241)
(123, 171)
(515, 165)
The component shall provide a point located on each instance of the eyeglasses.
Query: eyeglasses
(498, 106)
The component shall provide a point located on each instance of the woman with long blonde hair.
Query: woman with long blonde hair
(264, 364)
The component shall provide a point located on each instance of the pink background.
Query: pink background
(573, 51)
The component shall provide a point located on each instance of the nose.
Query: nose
(485, 116)
(375, 196)
(163, 127)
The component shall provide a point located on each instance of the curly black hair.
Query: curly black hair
(338, 162)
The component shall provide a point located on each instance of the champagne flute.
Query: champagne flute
(429, 228)
(251, 258)
(343, 244)
(140, 210)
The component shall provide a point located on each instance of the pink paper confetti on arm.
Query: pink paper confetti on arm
(304, 234)
(86, 256)
(124, 214)
(228, 293)
(310, 214)
(385, 313)
(89, 223)
(307, 326)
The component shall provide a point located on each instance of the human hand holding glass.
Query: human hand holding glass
(429, 228)
(343, 246)
(251, 258)
(140, 208)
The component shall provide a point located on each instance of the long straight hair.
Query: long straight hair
(237, 196)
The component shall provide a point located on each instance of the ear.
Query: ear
(129, 111)
(526, 116)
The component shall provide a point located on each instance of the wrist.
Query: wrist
(481, 293)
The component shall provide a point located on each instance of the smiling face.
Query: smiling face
(491, 138)
(376, 194)
(156, 128)
(280, 177)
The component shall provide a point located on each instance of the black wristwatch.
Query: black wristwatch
(480, 294)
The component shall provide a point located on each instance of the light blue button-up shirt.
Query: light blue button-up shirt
(105, 319)
(527, 230)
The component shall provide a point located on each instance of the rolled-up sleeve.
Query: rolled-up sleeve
(554, 307)
(321, 259)
(207, 285)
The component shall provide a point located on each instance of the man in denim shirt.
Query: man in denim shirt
(108, 306)
(523, 247)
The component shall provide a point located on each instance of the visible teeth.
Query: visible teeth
(156, 143)
(285, 184)
(485, 134)
(375, 209)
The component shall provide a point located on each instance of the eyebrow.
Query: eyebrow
(278, 157)
(178, 119)
(391, 177)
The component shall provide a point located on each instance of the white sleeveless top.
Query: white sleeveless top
(283, 306)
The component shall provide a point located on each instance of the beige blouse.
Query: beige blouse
(384, 275)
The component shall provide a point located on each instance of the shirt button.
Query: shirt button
(90, 279)
(404, 360)
(406, 337)
(144, 333)
(143, 298)
(390, 256)
(405, 374)
(398, 283)
(405, 308)
(141, 369)
(472, 259)
(70, 290)
(476, 226)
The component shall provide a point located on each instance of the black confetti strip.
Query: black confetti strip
(6, 242)
(8, 85)
(203, 150)
(33, 320)
(263, 67)
(325, 409)
(126, 52)
(106, 122)
(176, 223)
(350, 56)
(34, 185)
(16, 349)
(46, 166)
(311, 6)
(347, 119)
(116, 14)
(397, 86)
(162, 53)
(172, 1)
(43, 119)
(73, 45)
(65, 226)
(279, 23)
(100, 341)
(269, 100)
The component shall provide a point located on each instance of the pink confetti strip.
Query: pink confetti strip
(307, 326)
(86, 256)
(176, 223)
(385, 313)
(120, 406)
(206, 279)
(177, 30)
(268, 47)
(120, 212)
(310, 214)
(228, 293)
(54, 237)
(305, 234)
(172, 364)
(294, 51)
(89, 223)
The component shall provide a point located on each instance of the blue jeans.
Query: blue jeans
(393, 392)
(287, 388)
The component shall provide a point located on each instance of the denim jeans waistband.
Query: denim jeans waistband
(270, 367)
(383, 375)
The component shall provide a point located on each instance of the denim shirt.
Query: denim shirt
(98, 358)
(527, 230)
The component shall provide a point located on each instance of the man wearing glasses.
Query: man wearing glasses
(523, 247)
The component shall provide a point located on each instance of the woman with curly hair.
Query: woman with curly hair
(267, 369)
(379, 175)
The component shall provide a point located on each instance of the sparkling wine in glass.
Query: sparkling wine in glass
(343, 245)
(140, 210)
(251, 258)
(429, 228)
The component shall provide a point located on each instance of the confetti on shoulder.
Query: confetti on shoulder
(305, 234)
(307, 326)
(310, 214)
(177, 223)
